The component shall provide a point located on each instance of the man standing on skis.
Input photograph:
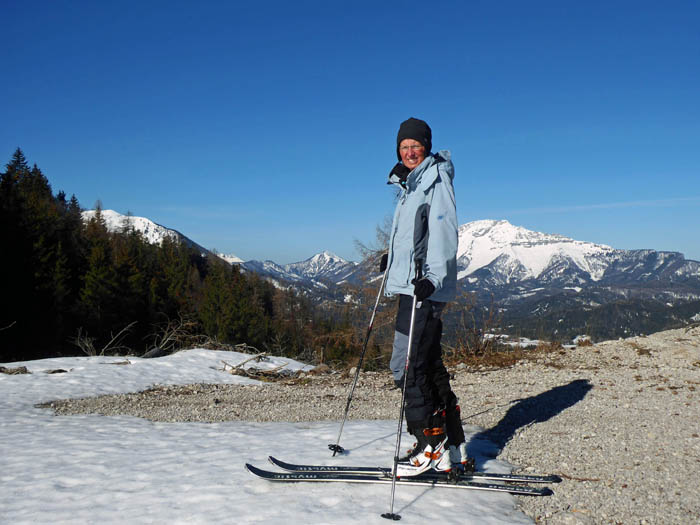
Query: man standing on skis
(422, 261)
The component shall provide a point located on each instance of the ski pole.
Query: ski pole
(390, 515)
(336, 448)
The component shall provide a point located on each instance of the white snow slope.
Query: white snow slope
(97, 469)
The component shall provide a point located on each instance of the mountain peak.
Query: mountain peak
(326, 256)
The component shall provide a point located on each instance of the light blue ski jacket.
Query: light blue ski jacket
(425, 228)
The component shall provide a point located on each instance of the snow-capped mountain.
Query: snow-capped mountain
(152, 232)
(324, 265)
(318, 271)
(552, 283)
(499, 254)
(517, 254)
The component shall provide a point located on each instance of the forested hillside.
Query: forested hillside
(71, 287)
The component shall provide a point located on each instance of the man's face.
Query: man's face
(412, 153)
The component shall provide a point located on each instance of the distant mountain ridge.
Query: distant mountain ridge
(491, 254)
(535, 279)
(318, 271)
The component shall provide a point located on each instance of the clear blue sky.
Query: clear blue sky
(267, 129)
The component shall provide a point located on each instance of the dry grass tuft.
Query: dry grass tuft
(505, 356)
(546, 347)
(497, 358)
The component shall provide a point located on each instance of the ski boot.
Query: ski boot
(429, 451)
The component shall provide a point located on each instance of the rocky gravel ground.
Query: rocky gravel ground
(619, 421)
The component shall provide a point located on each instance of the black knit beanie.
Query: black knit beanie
(415, 129)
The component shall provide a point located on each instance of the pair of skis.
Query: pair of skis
(350, 474)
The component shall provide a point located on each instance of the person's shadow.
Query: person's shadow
(524, 412)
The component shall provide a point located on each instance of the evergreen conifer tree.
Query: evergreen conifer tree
(98, 297)
(217, 310)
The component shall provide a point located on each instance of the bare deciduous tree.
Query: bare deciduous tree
(174, 335)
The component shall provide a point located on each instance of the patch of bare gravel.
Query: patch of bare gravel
(617, 420)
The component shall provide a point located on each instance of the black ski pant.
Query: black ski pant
(428, 382)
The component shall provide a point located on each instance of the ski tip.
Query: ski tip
(554, 478)
(547, 492)
(253, 470)
(282, 464)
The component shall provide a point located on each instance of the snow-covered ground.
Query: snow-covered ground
(97, 469)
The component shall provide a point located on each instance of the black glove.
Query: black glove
(383, 262)
(423, 289)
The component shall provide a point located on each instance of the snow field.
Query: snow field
(89, 469)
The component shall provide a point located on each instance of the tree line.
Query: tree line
(70, 284)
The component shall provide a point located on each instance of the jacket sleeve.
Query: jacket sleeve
(441, 257)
